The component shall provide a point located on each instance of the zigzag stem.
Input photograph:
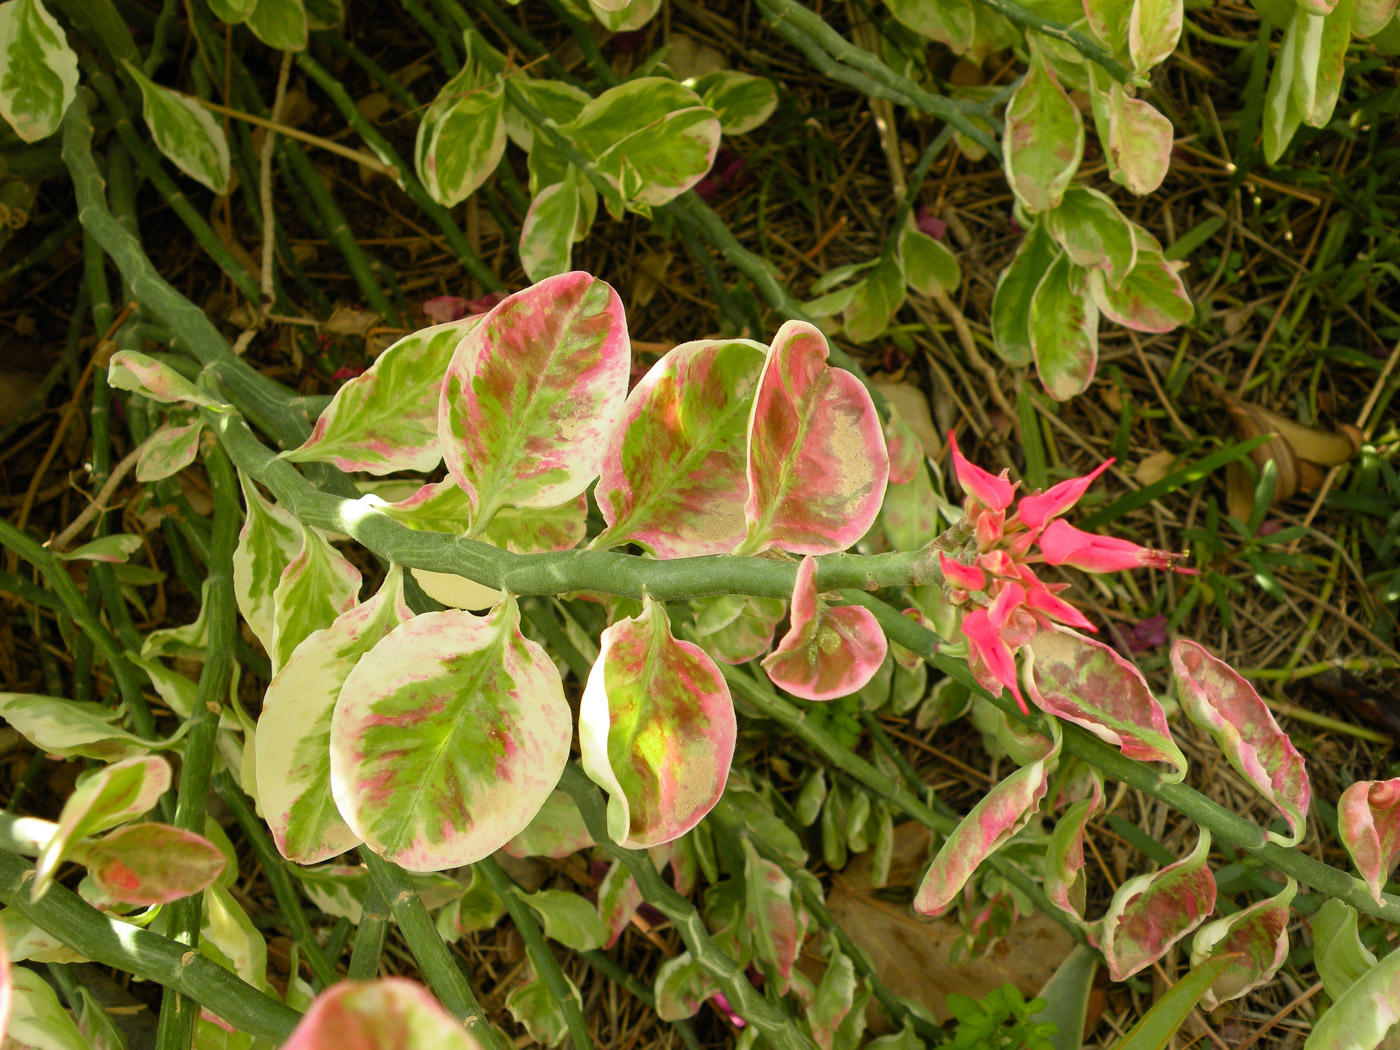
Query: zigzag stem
(778, 1027)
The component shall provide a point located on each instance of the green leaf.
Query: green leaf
(1044, 138)
(556, 100)
(742, 102)
(1139, 146)
(280, 24)
(876, 299)
(1154, 27)
(929, 267)
(112, 549)
(624, 16)
(38, 70)
(1366, 1011)
(1282, 113)
(185, 132)
(268, 542)
(324, 14)
(1166, 1017)
(950, 22)
(1094, 233)
(1152, 298)
(232, 11)
(552, 225)
(228, 936)
(36, 1018)
(1340, 957)
(540, 1011)
(1064, 329)
(169, 451)
(1066, 997)
(568, 918)
(1011, 302)
(462, 136)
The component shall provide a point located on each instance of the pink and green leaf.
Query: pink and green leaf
(682, 986)
(1094, 234)
(656, 729)
(1152, 298)
(108, 797)
(293, 760)
(68, 728)
(556, 831)
(532, 393)
(737, 628)
(316, 587)
(1087, 683)
(771, 919)
(389, 1014)
(1002, 812)
(817, 463)
(1150, 913)
(269, 541)
(619, 897)
(1154, 27)
(1368, 823)
(1258, 935)
(385, 419)
(1139, 146)
(833, 1000)
(1044, 138)
(144, 375)
(447, 738)
(1218, 699)
(1064, 853)
(673, 474)
(168, 451)
(827, 652)
(149, 864)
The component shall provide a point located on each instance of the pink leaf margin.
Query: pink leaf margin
(1258, 936)
(1151, 912)
(389, 1014)
(1368, 823)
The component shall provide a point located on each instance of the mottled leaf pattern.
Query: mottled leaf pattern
(770, 916)
(1259, 934)
(462, 135)
(539, 1010)
(833, 1000)
(673, 474)
(38, 70)
(447, 738)
(1044, 138)
(385, 419)
(1152, 912)
(1218, 699)
(316, 587)
(929, 266)
(619, 897)
(1087, 683)
(1152, 298)
(682, 986)
(552, 225)
(532, 393)
(656, 729)
(1154, 27)
(1002, 812)
(1064, 853)
(294, 730)
(389, 1014)
(129, 370)
(1368, 823)
(827, 652)
(1094, 234)
(185, 132)
(741, 102)
(147, 864)
(1064, 332)
(817, 461)
(168, 451)
(1139, 146)
(269, 540)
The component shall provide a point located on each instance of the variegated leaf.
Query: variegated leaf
(1064, 331)
(113, 549)
(673, 474)
(929, 266)
(833, 1000)
(292, 742)
(557, 831)
(623, 16)
(619, 897)
(1044, 138)
(771, 919)
(656, 729)
(682, 986)
(129, 370)
(385, 419)
(71, 728)
(462, 135)
(1094, 234)
(1152, 298)
(557, 100)
(37, 1020)
(108, 797)
(650, 138)
(1154, 27)
(741, 102)
(874, 300)
(1152, 912)
(1364, 1013)
(558, 216)
(38, 70)
(1064, 853)
(817, 463)
(827, 652)
(315, 587)
(6, 985)
(185, 132)
(1087, 683)
(737, 628)
(539, 1011)
(1002, 812)
(1139, 146)
(532, 393)
(1368, 823)
(447, 738)
(148, 864)
(1218, 699)
(1323, 46)
(280, 24)
(1258, 934)
(441, 506)
(269, 541)
(1011, 302)
(168, 451)
(389, 1014)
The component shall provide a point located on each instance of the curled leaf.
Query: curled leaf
(1368, 823)
(1258, 935)
(1064, 853)
(1152, 912)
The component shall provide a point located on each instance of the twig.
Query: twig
(99, 502)
(300, 136)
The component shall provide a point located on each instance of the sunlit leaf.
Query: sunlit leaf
(1087, 683)
(1368, 823)
(532, 393)
(817, 461)
(619, 897)
(1002, 812)
(1150, 913)
(148, 864)
(389, 1014)
(1154, 27)
(294, 729)
(673, 473)
(1258, 934)
(447, 738)
(37, 1019)
(38, 70)
(269, 540)
(315, 587)
(950, 22)
(557, 100)
(929, 266)
(827, 652)
(1218, 699)
(1044, 138)
(185, 132)
(385, 419)
(539, 1010)
(1152, 298)
(558, 217)
(656, 729)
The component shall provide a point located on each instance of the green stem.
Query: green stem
(541, 958)
(432, 955)
(145, 955)
(911, 192)
(775, 1024)
(369, 937)
(40, 252)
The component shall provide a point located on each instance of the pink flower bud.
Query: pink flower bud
(964, 577)
(1037, 509)
(1063, 544)
(990, 490)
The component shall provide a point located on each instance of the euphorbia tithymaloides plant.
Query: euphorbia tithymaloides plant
(436, 738)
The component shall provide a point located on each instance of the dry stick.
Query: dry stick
(99, 502)
(300, 136)
(265, 179)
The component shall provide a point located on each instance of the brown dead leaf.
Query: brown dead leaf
(912, 954)
(346, 320)
(1152, 469)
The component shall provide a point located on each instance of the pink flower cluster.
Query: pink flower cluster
(994, 575)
